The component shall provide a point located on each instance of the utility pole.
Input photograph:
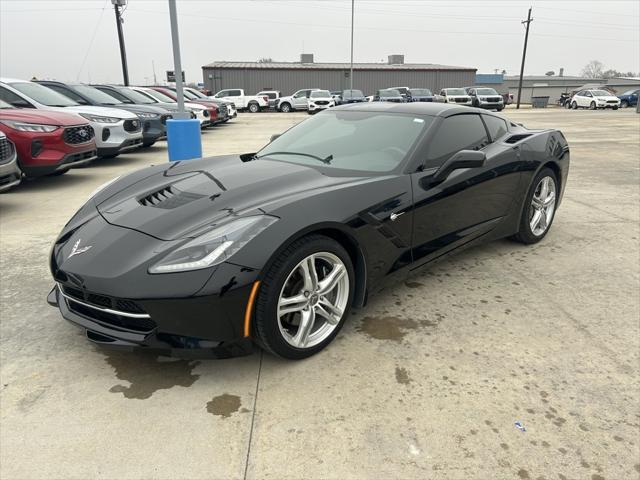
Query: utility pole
(123, 54)
(351, 69)
(153, 67)
(524, 54)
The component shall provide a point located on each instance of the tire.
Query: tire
(592, 106)
(615, 108)
(526, 233)
(278, 333)
(285, 107)
(147, 145)
(574, 105)
(624, 104)
(254, 107)
(499, 109)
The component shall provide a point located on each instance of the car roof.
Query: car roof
(435, 109)
(12, 80)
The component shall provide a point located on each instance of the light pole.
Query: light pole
(123, 54)
(351, 68)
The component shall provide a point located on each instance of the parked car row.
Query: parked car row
(48, 127)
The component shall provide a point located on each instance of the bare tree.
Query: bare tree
(593, 69)
(265, 60)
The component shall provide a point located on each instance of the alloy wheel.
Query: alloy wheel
(313, 300)
(543, 204)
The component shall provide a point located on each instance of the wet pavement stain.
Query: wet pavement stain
(523, 474)
(414, 284)
(387, 328)
(224, 405)
(402, 376)
(148, 373)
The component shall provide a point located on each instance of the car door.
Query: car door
(469, 202)
(300, 99)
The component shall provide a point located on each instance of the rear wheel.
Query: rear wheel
(304, 298)
(285, 107)
(540, 208)
(615, 108)
(624, 104)
(254, 107)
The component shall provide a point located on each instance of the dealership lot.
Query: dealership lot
(426, 382)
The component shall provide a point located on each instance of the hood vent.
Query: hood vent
(168, 198)
(516, 138)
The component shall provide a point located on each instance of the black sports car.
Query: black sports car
(275, 247)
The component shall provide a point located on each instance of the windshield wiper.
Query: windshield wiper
(326, 160)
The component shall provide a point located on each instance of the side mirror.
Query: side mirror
(462, 159)
(274, 136)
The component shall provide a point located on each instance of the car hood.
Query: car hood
(142, 108)
(93, 110)
(184, 197)
(43, 117)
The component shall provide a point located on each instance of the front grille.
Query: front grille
(612, 101)
(168, 198)
(461, 100)
(6, 150)
(494, 100)
(132, 125)
(81, 134)
(223, 110)
(93, 302)
(322, 102)
(164, 118)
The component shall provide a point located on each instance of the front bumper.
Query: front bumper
(491, 105)
(10, 175)
(187, 327)
(71, 160)
(112, 139)
(153, 129)
(316, 108)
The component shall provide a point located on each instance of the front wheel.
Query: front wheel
(254, 107)
(615, 108)
(285, 107)
(304, 298)
(539, 209)
(574, 105)
(592, 106)
(624, 104)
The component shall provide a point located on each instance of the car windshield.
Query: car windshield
(135, 96)
(43, 95)
(352, 93)
(629, 92)
(455, 91)
(320, 94)
(96, 95)
(486, 91)
(600, 93)
(196, 93)
(390, 93)
(421, 92)
(349, 140)
(161, 97)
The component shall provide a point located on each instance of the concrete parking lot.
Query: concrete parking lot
(426, 382)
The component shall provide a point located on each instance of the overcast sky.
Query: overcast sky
(77, 40)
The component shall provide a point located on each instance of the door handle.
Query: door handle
(394, 216)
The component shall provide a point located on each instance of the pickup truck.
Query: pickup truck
(253, 103)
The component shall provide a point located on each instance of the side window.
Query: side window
(300, 94)
(68, 93)
(471, 91)
(13, 99)
(588, 94)
(497, 127)
(223, 93)
(460, 132)
(115, 94)
(234, 93)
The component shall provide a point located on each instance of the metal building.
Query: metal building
(288, 77)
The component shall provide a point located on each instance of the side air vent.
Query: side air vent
(517, 138)
(169, 198)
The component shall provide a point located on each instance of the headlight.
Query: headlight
(29, 127)
(100, 118)
(102, 187)
(147, 115)
(214, 246)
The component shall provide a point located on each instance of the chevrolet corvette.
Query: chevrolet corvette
(274, 248)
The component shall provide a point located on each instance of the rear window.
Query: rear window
(421, 92)
(497, 127)
(486, 91)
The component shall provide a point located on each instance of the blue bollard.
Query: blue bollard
(183, 139)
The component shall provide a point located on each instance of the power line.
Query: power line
(95, 31)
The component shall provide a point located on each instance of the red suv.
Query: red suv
(212, 109)
(47, 142)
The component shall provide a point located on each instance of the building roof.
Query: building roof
(334, 66)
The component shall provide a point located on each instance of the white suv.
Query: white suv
(319, 100)
(297, 101)
(458, 96)
(116, 130)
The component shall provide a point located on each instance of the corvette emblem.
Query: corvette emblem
(77, 251)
